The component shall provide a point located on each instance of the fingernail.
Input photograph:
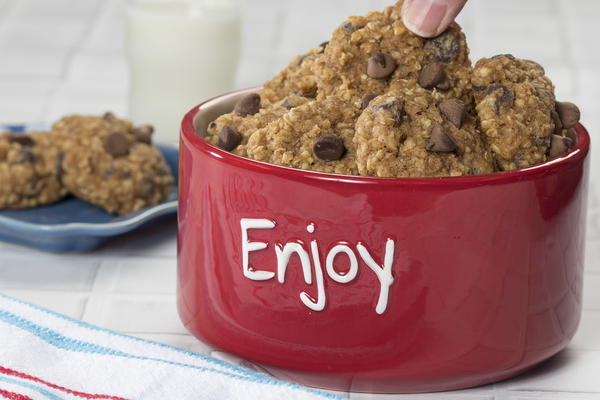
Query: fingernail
(424, 17)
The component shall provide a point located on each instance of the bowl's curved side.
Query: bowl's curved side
(371, 284)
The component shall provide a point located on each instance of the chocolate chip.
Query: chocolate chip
(384, 106)
(247, 105)
(229, 138)
(329, 148)
(559, 145)
(443, 48)
(399, 115)
(108, 116)
(504, 98)
(366, 100)
(454, 110)
(380, 65)
(116, 144)
(444, 84)
(396, 107)
(23, 140)
(301, 60)
(568, 112)
(143, 133)
(571, 134)
(289, 103)
(323, 45)
(348, 27)
(441, 141)
(59, 171)
(26, 155)
(431, 75)
(539, 141)
(557, 122)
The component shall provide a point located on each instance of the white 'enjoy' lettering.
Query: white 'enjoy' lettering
(248, 246)
(285, 251)
(351, 274)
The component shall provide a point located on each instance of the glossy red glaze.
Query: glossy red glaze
(487, 269)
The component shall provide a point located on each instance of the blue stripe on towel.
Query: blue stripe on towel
(31, 386)
(64, 343)
(58, 340)
(220, 363)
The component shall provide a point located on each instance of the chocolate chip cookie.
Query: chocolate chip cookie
(369, 55)
(30, 172)
(296, 78)
(518, 112)
(111, 163)
(315, 136)
(406, 134)
(231, 131)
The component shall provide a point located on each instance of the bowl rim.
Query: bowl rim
(189, 135)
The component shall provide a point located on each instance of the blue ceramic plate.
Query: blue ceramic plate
(72, 225)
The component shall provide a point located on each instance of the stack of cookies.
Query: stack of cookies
(103, 160)
(377, 100)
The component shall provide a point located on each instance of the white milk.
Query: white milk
(181, 52)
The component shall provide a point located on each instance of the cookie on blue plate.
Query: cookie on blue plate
(111, 163)
(30, 172)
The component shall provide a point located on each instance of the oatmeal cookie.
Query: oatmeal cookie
(406, 134)
(517, 110)
(315, 136)
(370, 54)
(296, 78)
(30, 173)
(231, 131)
(110, 163)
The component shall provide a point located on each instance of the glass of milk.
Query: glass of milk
(180, 52)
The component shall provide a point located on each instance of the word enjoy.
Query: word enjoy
(284, 252)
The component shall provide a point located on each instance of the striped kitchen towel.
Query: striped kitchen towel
(45, 355)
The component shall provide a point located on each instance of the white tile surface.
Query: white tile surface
(21, 271)
(68, 56)
(587, 337)
(569, 371)
(137, 275)
(591, 292)
(69, 303)
(134, 314)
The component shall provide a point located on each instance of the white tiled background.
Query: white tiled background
(68, 56)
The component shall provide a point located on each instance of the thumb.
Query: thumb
(429, 18)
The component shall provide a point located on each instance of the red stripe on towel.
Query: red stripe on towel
(22, 375)
(13, 396)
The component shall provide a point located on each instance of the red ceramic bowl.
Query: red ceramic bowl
(379, 284)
